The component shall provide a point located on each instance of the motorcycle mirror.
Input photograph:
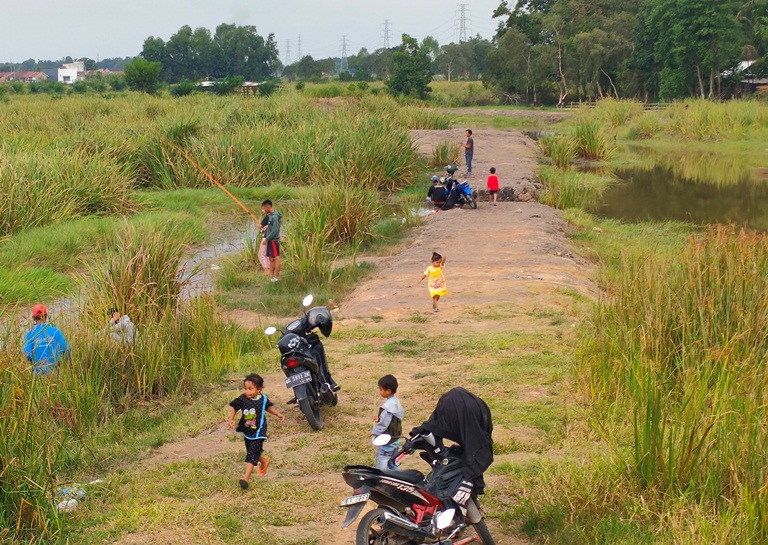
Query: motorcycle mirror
(270, 330)
(381, 440)
(307, 300)
(445, 519)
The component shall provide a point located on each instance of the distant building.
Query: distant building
(26, 77)
(72, 72)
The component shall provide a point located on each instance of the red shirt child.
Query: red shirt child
(493, 186)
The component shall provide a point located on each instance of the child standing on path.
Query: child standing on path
(436, 279)
(389, 421)
(493, 186)
(254, 407)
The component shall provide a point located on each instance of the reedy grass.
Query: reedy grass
(560, 148)
(680, 345)
(570, 189)
(646, 126)
(617, 112)
(444, 153)
(592, 143)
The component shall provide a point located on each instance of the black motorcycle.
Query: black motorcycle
(413, 508)
(302, 358)
(460, 192)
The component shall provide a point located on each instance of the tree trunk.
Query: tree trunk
(563, 85)
(615, 91)
(711, 82)
(701, 81)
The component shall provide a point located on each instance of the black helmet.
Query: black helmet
(451, 169)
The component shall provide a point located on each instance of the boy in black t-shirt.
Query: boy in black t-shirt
(253, 406)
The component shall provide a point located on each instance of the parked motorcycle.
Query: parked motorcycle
(303, 360)
(412, 508)
(462, 192)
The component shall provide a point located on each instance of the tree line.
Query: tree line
(558, 50)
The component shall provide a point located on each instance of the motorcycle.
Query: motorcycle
(463, 193)
(413, 508)
(303, 360)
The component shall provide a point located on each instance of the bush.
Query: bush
(592, 143)
(560, 148)
(267, 88)
(183, 88)
(300, 85)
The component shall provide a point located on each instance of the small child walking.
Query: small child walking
(493, 186)
(436, 281)
(253, 406)
(389, 421)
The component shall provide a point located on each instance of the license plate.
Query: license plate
(297, 380)
(352, 500)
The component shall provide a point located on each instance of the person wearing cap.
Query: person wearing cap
(44, 344)
(436, 192)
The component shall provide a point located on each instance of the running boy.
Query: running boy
(436, 279)
(389, 421)
(493, 186)
(253, 406)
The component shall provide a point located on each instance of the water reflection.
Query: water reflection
(699, 188)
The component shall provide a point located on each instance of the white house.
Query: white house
(71, 72)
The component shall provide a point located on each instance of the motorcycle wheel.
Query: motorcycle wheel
(369, 530)
(483, 533)
(311, 409)
(473, 202)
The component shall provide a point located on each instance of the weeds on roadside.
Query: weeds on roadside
(445, 153)
(560, 148)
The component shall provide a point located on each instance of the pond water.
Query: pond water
(695, 187)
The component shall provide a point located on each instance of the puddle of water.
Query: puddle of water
(698, 188)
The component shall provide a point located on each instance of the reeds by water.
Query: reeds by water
(680, 346)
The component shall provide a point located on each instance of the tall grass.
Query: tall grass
(592, 143)
(646, 126)
(680, 346)
(570, 189)
(560, 148)
(445, 152)
(706, 120)
(338, 218)
(618, 112)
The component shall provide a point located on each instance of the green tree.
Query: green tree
(412, 70)
(143, 75)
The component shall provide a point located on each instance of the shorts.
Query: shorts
(253, 450)
(493, 191)
(273, 248)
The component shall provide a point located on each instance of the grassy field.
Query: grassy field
(669, 363)
(105, 207)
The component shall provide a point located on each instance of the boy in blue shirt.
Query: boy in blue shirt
(389, 421)
(44, 344)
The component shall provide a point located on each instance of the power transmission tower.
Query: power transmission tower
(463, 14)
(287, 52)
(344, 63)
(298, 52)
(387, 32)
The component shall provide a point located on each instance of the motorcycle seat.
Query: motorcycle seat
(412, 476)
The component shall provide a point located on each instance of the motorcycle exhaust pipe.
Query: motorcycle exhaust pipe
(404, 527)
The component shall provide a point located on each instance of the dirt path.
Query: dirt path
(514, 285)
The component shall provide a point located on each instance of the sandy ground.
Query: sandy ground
(512, 256)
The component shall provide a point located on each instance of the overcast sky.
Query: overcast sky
(54, 29)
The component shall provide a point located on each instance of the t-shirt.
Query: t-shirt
(253, 419)
(273, 225)
(436, 193)
(471, 144)
(493, 183)
(44, 344)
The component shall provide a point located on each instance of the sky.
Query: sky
(54, 29)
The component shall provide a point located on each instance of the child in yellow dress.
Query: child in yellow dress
(436, 279)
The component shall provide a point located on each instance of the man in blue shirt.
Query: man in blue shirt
(44, 344)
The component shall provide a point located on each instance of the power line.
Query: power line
(298, 52)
